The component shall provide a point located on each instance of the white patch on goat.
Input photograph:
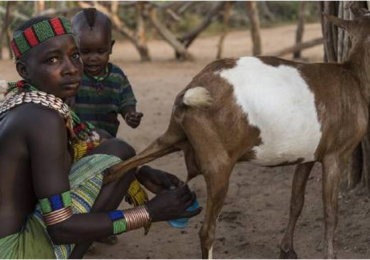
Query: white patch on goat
(279, 102)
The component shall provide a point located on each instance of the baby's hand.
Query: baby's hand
(133, 119)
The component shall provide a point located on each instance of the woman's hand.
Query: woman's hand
(172, 204)
(157, 181)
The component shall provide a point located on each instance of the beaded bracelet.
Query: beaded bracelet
(118, 220)
(129, 219)
(57, 208)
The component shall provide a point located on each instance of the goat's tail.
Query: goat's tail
(162, 146)
(197, 97)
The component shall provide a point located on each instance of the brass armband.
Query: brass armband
(57, 208)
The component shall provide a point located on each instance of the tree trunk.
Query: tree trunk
(4, 29)
(300, 28)
(224, 29)
(330, 32)
(39, 7)
(253, 15)
(140, 31)
(8, 40)
(337, 46)
(114, 7)
(266, 11)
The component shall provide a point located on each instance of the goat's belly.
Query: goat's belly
(280, 153)
(278, 101)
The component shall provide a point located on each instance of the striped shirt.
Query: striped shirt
(100, 102)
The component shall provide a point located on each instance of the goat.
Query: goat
(271, 112)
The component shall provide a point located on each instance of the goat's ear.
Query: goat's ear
(358, 12)
(344, 24)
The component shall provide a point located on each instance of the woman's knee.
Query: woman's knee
(117, 148)
(121, 149)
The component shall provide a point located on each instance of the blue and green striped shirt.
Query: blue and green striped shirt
(100, 102)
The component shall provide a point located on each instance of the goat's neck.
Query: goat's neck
(359, 61)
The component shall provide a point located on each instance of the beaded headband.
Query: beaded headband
(39, 32)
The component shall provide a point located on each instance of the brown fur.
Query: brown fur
(216, 137)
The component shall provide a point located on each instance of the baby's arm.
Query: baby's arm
(128, 104)
(131, 117)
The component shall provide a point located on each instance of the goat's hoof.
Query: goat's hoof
(288, 254)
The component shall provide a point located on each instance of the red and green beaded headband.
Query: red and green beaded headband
(38, 33)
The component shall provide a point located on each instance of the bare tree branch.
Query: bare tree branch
(15, 14)
(298, 47)
(186, 7)
(52, 11)
(168, 36)
(189, 37)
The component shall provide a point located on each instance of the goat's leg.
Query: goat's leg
(332, 166)
(301, 174)
(217, 181)
(214, 162)
(217, 187)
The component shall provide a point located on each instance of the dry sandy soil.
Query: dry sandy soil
(256, 209)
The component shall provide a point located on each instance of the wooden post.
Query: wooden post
(225, 22)
(4, 29)
(140, 31)
(39, 7)
(114, 7)
(300, 28)
(337, 47)
(253, 15)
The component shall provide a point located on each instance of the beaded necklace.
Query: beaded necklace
(83, 136)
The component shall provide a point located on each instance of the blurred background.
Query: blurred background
(178, 23)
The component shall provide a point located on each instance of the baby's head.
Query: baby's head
(94, 32)
(47, 55)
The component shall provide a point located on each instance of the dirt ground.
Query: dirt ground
(255, 213)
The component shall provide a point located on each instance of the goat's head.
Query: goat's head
(358, 28)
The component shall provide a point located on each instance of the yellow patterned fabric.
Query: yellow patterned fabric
(80, 149)
(136, 194)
